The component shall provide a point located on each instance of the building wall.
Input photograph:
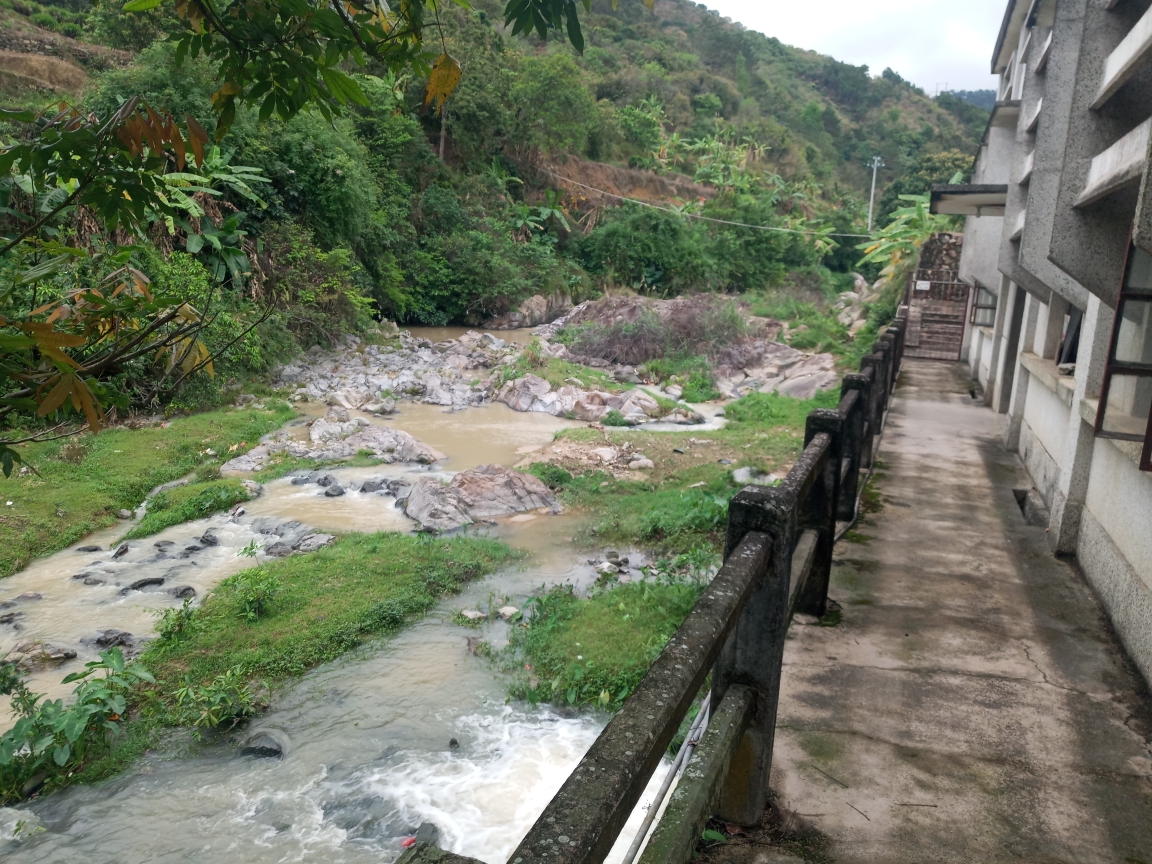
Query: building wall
(1065, 255)
(1114, 547)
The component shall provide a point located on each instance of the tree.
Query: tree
(928, 168)
(287, 56)
(73, 314)
(104, 182)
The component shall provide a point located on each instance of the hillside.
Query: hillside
(361, 218)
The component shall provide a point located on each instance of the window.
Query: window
(984, 309)
(1125, 410)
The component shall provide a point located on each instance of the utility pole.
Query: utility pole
(876, 164)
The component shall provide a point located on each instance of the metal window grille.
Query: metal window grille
(1125, 410)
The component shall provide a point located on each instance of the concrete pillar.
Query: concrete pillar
(1002, 302)
(1076, 464)
(1008, 342)
(1048, 340)
(1020, 378)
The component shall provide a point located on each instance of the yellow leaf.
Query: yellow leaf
(443, 80)
(651, 4)
(57, 396)
(92, 412)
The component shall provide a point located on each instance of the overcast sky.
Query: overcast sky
(929, 42)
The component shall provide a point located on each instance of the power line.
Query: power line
(695, 215)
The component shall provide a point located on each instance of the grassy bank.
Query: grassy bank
(593, 650)
(212, 666)
(285, 616)
(185, 503)
(81, 483)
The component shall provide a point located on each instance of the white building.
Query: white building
(1058, 237)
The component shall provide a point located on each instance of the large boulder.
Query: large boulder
(521, 393)
(482, 493)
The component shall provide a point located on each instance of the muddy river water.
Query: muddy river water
(368, 754)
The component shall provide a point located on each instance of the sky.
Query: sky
(936, 44)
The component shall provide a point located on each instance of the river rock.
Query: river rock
(334, 491)
(87, 548)
(279, 549)
(473, 615)
(746, 475)
(399, 490)
(507, 613)
(384, 406)
(372, 486)
(32, 654)
(303, 479)
(164, 544)
(267, 744)
(208, 539)
(182, 592)
(481, 493)
(92, 580)
(326, 480)
(111, 638)
(521, 393)
(641, 464)
(141, 584)
(605, 454)
(121, 551)
(30, 595)
(124, 514)
(312, 542)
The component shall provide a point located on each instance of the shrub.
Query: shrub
(174, 623)
(253, 592)
(226, 699)
(50, 740)
(614, 418)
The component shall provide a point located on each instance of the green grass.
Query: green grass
(557, 372)
(682, 503)
(594, 650)
(328, 602)
(691, 371)
(185, 503)
(82, 482)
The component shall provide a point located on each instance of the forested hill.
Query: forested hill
(338, 223)
(810, 115)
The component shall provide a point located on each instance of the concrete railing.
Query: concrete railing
(777, 561)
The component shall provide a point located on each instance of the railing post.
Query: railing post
(854, 444)
(754, 652)
(877, 398)
(818, 511)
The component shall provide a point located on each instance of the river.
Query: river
(369, 755)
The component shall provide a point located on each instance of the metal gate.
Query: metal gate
(937, 305)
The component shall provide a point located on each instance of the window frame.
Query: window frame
(977, 306)
(1113, 366)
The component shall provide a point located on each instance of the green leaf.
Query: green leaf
(343, 87)
(575, 34)
(713, 836)
(60, 754)
(141, 5)
(45, 268)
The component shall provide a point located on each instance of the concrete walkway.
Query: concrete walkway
(973, 705)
